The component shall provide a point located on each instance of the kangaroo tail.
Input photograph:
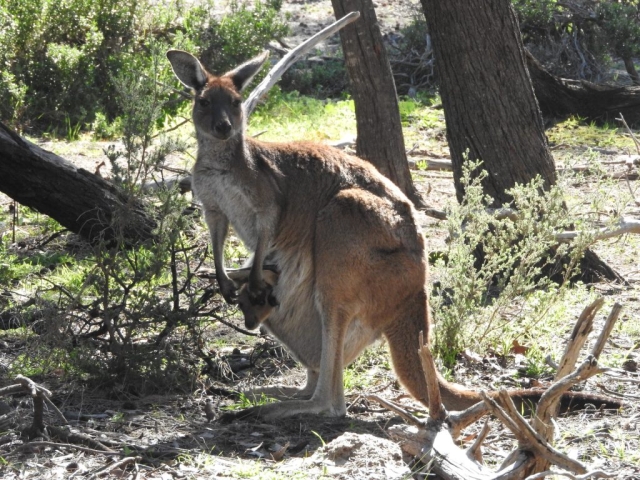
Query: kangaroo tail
(403, 334)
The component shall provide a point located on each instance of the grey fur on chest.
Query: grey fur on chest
(216, 184)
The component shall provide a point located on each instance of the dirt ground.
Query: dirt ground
(174, 440)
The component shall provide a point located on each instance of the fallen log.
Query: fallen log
(79, 200)
(560, 98)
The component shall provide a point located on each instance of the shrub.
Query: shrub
(324, 79)
(242, 33)
(121, 306)
(579, 39)
(59, 54)
(58, 58)
(504, 296)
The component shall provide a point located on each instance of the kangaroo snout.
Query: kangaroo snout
(222, 129)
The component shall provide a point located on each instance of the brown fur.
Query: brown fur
(256, 313)
(345, 239)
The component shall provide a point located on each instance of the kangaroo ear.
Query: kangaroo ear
(242, 75)
(188, 69)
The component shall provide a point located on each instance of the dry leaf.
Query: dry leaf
(279, 454)
(518, 349)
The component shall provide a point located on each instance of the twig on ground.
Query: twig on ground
(406, 416)
(80, 448)
(630, 132)
(113, 466)
(617, 394)
(586, 476)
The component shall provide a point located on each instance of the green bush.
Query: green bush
(58, 55)
(244, 32)
(505, 296)
(324, 79)
(620, 23)
(59, 58)
(580, 39)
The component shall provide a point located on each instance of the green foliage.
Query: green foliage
(60, 59)
(506, 296)
(620, 23)
(245, 401)
(57, 55)
(241, 34)
(115, 310)
(579, 39)
(538, 12)
(326, 78)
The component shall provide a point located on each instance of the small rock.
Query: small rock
(630, 365)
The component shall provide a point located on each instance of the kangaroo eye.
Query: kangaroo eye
(236, 103)
(203, 102)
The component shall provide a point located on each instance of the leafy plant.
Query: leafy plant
(490, 279)
(245, 401)
(580, 39)
(242, 33)
(59, 60)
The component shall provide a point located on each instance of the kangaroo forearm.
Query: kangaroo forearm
(218, 229)
(255, 276)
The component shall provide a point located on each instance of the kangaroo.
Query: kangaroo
(256, 314)
(350, 254)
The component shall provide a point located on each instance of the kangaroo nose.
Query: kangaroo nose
(223, 127)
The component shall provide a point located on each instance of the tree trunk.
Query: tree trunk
(79, 200)
(489, 105)
(631, 70)
(560, 98)
(380, 139)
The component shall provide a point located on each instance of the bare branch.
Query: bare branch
(626, 225)
(290, 58)
(578, 337)
(606, 330)
(535, 441)
(461, 420)
(406, 416)
(474, 452)
(436, 409)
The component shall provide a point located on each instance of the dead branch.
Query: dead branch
(626, 225)
(404, 414)
(461, 420)
(432, 441)
(437, 411)
(38, 428)
(474, 452)
(586, 476)
(290, 58)
(578, 337)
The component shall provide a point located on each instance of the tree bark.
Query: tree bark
(489, 105)
(83, 202)
(559, 98)
(380, 139)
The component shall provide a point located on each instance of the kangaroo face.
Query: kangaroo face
(254, 315)
(217, 110)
